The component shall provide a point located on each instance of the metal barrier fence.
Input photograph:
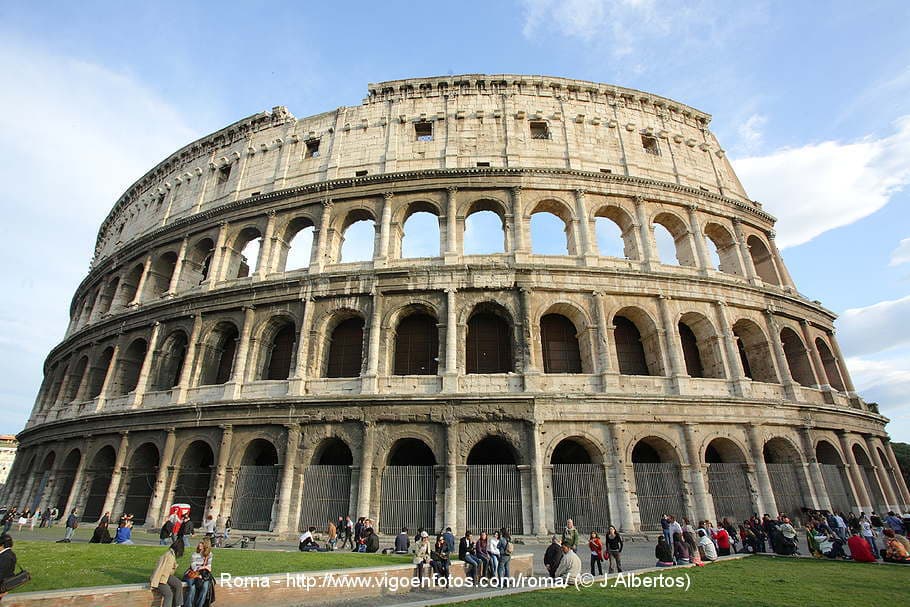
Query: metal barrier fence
(580, 494)
(192, 487)
(873, 489)
(728, 485)
(254, 497)
(97, 493)
(837, 487)
(139, 491)
(660, 491)
(788, 495)
(327, 495)
(65, 481)
(408, 498)
(38, 492)
(493, 498)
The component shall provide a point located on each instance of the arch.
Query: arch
(654, 450)
(358, 237)
(279, 348)
(333, 452)
(99, 372)
(637, 343)
(345, 351)
(762, 260)
(194, 478)
(615, 232)
(129, 286)
(493, 485)
(108, 296)
(99, 475)
(417, 345)
(327, 480)
(129, 366)
(723, 249)
(493, 450)
(410, 452)
(658, 481)
(197, 263)
(701, 346)
(728, 482)
(220, 351)
(171, 361)
(485, 228)
(66, 479)
(574, 450)
(677, 249)
(755, 356)
(295, 250)
(77, 376)
(160, 273)
(140, 484)
(834, 474)
(830, 364)
(420, 230)
(244, 254)
(867, 473)
(408, 497)
(559, 342)
(547, 219)
(784, 464)
(797, 358)
(488, 348)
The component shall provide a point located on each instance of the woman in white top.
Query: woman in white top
(493, 549)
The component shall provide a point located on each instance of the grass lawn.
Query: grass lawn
(55, 566)
(756, 581)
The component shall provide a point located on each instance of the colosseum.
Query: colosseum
(229, 349)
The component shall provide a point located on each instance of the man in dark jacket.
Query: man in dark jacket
(7, 557)
(449, 537)
(402, 542)
(553, 556)
(72, 521)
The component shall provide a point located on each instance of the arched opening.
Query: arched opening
(615, 232)
(296, 247)
(559, 340)
(728, 482)
(160, 274)
(197, 264)
(834, 474)
(98, 478)
(194, 479)
(129, 285)
(142, 474)
(256, 487)
(173, 357)
(417, 345)
(783, 463)
(701, 347)
(797, 358)
(579, 486)
(493, 486)
(671, 237)
(723, 249)
(763, 261)
(108, 295)
(345, 357)
(658, 482)
(420, 233)
(358, 240)
(327, 483)
(220, 350)
(637, 344)
(76, 377)
(279, 351)
(408, 496)
(549, 233)
(867, 472)
(829, 362)
(484, 231)
(690, 351)
(128, 367)
(489, 341)
(754, 352)
(243, 258)
(42, 475)
(66, 478)
(99, 372)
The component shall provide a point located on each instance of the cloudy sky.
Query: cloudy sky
(811, 104)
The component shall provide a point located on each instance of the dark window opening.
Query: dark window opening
(489, 347)
(346, 349)
(629, 349)
(360, 173)
(650, 145)
(539, 129)
(483, 164)
(690, 351)
(423, 130)
(281, 353)
(570, 452)
(607, 171)
(492, 451)
(312, 148)
(411, 452)
(417, 346)
(560, 345)
(224, 173)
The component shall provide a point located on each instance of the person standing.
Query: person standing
(570, 535)
(449, 537)
(505, 552)
(163, 579)
(72, 522)
(865, 530)
(332, 533)
(665, 529)
(553, 556)
(613, 545)
(208, 526)
(722, 539)
(597, 553)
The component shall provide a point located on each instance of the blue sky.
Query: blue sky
(810, 100)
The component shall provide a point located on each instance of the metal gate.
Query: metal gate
(660, 491)
(139, 494)
(326, 495)
(255, 488)
(493, 498)
(580, 494)
(788, 496)
(192, 488)
(408, 498)
(65, 480)
(39, 492)
(97, 493)
(873, 489)
(729, 487)
(837, 487)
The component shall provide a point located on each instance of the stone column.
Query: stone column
(530, 370)
(178, 268)
(146, 268)
(384, 229)
(146, 369)
(216, 500)
(164, 465)
(677, 371)
(860, 492)
(620, 489)
(783, 367)
(734, 369)
(283, 523)
(899, 481)
(644, 233)
(603, 346)
(451, 513)
(744, 253)
(880, 474)
(584, 228)
(817, 366)
(366, 469)
(297, 385)
(698, 236)
(370, 382)
(233, 388)
(218, 254)
(452, 248)
(450, 378)
(323, 236)
(520, 241)
(537, 481)
(113, 489)
(268, 248)
(178, 394)
(817, 490)
(108, 377)
(704, 501)
(765, 496)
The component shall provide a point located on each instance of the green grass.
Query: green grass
(54, 566)
(756, 581)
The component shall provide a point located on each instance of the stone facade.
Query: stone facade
(706, 386)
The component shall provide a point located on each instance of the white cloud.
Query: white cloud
(901, 254)
(875, 328)
(750, 133)
(822, 186)
(886, 382)
(75, 135)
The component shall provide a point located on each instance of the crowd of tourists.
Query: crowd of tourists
(28, 518)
